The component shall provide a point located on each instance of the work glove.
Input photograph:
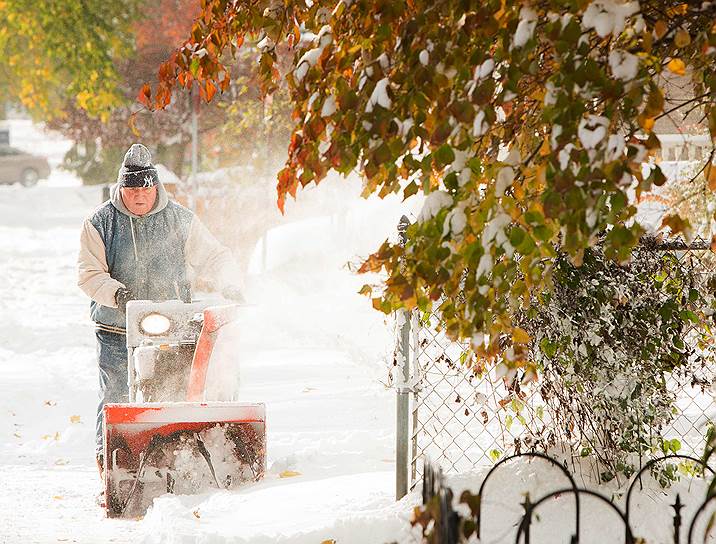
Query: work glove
(121, 297)
(233, 294)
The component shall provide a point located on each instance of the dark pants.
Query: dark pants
(112, 359)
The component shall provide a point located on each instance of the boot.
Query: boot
(100, 499)
(100, 466)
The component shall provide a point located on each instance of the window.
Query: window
(8, 151)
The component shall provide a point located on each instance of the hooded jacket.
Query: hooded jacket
(151, 255)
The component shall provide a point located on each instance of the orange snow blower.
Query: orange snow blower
(172, 437)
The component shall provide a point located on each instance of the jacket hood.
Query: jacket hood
(116, 198)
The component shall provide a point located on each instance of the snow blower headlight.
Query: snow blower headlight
(155, 324)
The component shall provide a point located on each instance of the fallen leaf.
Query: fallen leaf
(58, 497)
(50, 403)
(196, 513)
(289, 474)
(57, 435)
(62, 462)
(46, 436)
(329, 541)
(74, 419)
(17, 435)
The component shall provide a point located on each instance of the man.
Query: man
(141, 245)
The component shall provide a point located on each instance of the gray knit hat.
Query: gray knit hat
(137, 169)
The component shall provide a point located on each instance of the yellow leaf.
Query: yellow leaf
(289, 474)
(682, 38)
(647, 123)
(647, 41)
(538, 94)
(329, 541)
(660, 28)
(677, 66)
(57, 435)
(74, 419)
(520, 336)
(58, 497)
(16, 435)
(680, 9)
(545, 149)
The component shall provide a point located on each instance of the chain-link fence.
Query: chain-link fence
(463, 416)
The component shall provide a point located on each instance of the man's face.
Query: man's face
(139, 200)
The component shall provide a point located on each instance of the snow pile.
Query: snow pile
(592, 130)
(608, 16)
(434, 202)
(379, 96)
(455, 221)
(623, 64)
(310, 57)
(479, 125)
(525, 28)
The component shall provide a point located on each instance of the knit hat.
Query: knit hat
(137, 169)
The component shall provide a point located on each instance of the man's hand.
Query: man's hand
(121, 297)
(233, 293)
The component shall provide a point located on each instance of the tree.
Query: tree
(227, 126)
(100, 142)
(527, 125)
(51, 52)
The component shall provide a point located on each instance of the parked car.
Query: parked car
(22, 167)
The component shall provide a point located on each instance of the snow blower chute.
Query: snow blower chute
(172, 437)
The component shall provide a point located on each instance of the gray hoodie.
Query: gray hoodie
(150, 255)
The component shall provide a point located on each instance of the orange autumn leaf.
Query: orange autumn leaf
(710, 175)
(677, 67)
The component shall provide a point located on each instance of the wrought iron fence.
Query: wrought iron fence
(465, 417)
(450, 525)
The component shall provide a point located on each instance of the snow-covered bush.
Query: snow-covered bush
(608, 341)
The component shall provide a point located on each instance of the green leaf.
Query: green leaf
(517, 236)
(548, 348)
(444, 155)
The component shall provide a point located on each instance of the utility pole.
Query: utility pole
(193, 185)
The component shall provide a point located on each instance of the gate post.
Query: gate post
(402, 391)
(402, 422)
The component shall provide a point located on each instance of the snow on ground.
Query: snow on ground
(314, 351)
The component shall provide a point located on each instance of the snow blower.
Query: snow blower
(170, 437)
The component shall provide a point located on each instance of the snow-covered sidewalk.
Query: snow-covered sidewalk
(312, 355)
